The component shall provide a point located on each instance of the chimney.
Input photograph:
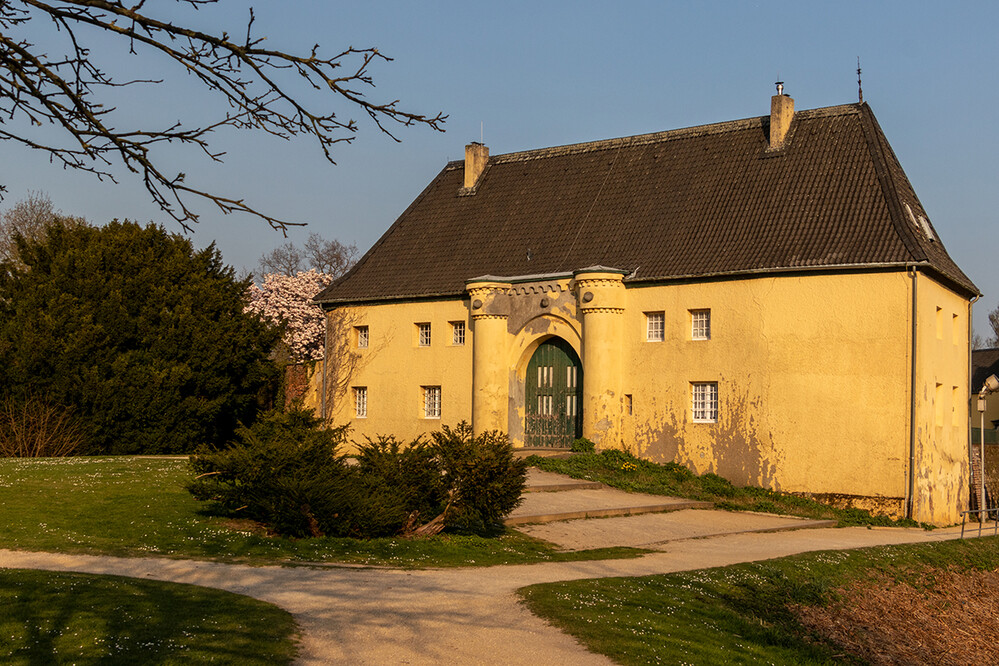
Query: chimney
(476, 157)
(781, 114)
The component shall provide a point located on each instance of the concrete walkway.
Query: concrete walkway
(465, 616)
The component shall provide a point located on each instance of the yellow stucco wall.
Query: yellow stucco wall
(812, 381)
(942, 403)
(813, 375)
(394, 368)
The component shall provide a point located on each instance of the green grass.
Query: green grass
(736, 614)
(621, 470)
(132, 507)
(51, 618)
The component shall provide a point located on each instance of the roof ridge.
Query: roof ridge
(655, 137)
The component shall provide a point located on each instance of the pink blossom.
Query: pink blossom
(288, 299)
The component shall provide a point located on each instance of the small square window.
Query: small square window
(704, 401)
(655, 326)
(361, 402)
(431, 402)
(457, 333)
(700, 324)
(362, 336)
(424, 334)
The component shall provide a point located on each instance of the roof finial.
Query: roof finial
(860, 89)
(780, 87)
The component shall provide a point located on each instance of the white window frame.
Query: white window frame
(700, 324)
(704, 402)
(423, 334)
(362, 337)
(655, 326)
(361, 402)
(431, 402)
(458, 333)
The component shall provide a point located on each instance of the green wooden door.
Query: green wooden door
(554, 396)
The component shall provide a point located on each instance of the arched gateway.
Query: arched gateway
(554, 396)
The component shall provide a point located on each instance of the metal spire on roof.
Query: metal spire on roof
(860, 89)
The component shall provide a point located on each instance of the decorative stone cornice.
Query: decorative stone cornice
(599, 310)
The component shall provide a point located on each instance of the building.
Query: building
(764, 298)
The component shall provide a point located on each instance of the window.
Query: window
(956, 329)
(424, 334)
(939, 404)
(362, 337)
(704, 401)
(431, 402)
(628, 404)
(700, 324)
(457, 333)
(940, 323)
(361, 401)
(655, 326)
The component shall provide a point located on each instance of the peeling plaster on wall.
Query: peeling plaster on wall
(734, 448)
(517, 410)
(742, 454)
(659, 438)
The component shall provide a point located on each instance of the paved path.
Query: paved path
(462, 616)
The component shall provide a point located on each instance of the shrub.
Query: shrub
(582, 445)
(33, 428)
(411, 472)
(286, 472)
(484, 480)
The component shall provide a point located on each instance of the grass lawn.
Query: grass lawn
(620, 470)
(81, 619)
(130, 506)
(748, 613)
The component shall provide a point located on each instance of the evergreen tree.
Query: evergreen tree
(145, 339)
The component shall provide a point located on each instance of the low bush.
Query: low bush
(583, 445)
(287, 472)
(484, 480)
(36, 428)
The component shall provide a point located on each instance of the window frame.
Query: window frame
(423, 327)
(363, 336)
(704, 408)
(432, 399)
(458, 331)
(655, 316)
(360, 402)
(702, 332)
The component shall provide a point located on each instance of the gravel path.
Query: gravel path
(357, 615)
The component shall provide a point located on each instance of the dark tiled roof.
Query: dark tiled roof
(984, 362)
(697, 202)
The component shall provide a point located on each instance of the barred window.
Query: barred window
(360, 401)
(700, 324)
(655, 326)
(704, 402)
(424, 332)
(362, 336)
(431, 402)
(457, 333)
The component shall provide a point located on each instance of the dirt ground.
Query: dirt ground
(949, 617)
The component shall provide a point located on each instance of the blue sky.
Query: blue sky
(534, 74)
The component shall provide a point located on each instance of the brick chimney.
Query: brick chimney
(476, 157)
(781, 114)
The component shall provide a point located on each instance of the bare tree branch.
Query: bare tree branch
(261, 89)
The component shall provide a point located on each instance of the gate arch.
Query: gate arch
(553, 405)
